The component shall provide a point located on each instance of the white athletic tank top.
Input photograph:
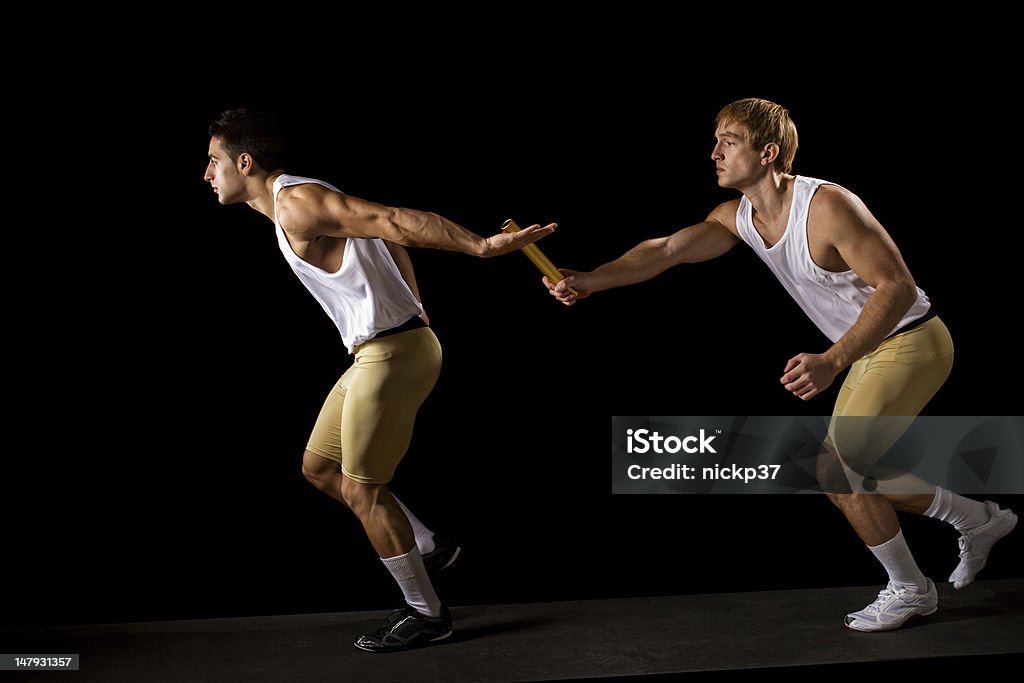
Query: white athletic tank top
(367, 295)
(833, 301)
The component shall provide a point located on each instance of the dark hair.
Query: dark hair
(255, 132)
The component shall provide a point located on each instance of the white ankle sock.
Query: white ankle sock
(412, 578)
(963, 513)
(895, 556)
(424, 536)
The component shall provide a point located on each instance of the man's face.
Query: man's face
(736, 162)
(223, 174)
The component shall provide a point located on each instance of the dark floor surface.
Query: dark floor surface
(801, 632)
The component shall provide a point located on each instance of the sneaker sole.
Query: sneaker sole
(912, 617)
(404, 649)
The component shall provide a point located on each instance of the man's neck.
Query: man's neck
(768, 195)
(263, 195)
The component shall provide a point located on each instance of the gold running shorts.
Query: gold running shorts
(366, 422)
(884, 391)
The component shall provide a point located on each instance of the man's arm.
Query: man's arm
(701, 242)
(864, 245)
(312, 210)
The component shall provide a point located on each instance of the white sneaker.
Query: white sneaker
(893, 607)
(976, 544)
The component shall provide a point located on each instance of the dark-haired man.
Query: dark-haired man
(349, 253)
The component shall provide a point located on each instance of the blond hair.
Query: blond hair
(765, 122)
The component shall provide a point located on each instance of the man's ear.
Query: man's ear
(245, 163)
(769, 154)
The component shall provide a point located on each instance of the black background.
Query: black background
(157, 470)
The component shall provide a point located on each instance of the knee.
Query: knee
(319, 471)
(831, 474)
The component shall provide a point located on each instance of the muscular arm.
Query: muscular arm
(701, 242)
(863, 244)
(313, 210)
(648, 259)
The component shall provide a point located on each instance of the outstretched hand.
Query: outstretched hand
(504, 242)
(808, 374)
(563, 290)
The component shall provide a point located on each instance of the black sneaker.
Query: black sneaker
(405, 629)
(441, 557)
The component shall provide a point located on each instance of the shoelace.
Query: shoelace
(393, 620)
(885, 596)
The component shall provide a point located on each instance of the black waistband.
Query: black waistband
(915, 323)
(410, 324)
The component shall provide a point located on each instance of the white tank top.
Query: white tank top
(833, 301)
(367, 295)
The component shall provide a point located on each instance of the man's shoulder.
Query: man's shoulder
(829, 191)
(728, 209)
(290, 180)
(831, 199)
(835, 212)
(300, 188)
(309, 196)
(307, 189)
(725, 213)
(298, 206)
